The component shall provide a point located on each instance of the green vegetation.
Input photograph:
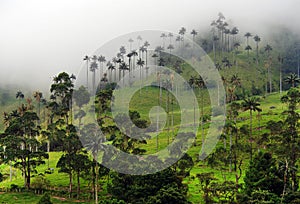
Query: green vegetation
(43, 160)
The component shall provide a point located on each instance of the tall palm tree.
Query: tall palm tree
(182, 32)
(38, 97)
(257, 40)
(280, 60)
(163, 36)
(170, 35)
(87, 59)
(19, 95)
(268, 49)
(146, 45)
(93, 68)
(170, 48)
(101, 60)
(178, 39)
(141, 63)
(194, 33)
(130, 44)
(292, 79)
(215, 39)
(123, 66)
(248, 48)
(251, 104)
(139, 39)
(234, 32)
(110, 67)
(248, 35)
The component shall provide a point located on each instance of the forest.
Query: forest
(57, 146)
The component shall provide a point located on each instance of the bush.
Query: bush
(40, 183)
(45, 199)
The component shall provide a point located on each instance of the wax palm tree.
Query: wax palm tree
(110, 67)
(123, 66)
(215, 39)
(139, 39)
(247, 35)
(134, 54)
(280, 60)
(248, 48)
(146, 45)
(163, 36)
(38, 97)
(178, 39)
(257, 40)
(93, 68)
(234, 32)
(182, 32)
(87, 59)
(268, 49)
(141, 63)
(251, 104)
(194, 33)
(19, 95)
(170, 48)
(130, 44)
(200, 83)
(292, 79)
(122, 52)
(101, 60)
(170, 35)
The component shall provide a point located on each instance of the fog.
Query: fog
(38, 39)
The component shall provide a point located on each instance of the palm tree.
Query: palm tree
(170, 35)
(123, 66)
(248, 48)
(170, 48)
(38, 96)
(248, 35)
(215, 39)
(194, 33)
(146, 45)
(93, 68)
(163, 36)
(236, 47)
(130, 43)
(178, 39)
(87, 59)
(141, 63)
(280, 60)
(19, 95)
(257, 40)
(182, 32)
(110, 67)
(292, 79)
(251, 104)
(268, 49)
(139, 39)
(234, 31)
(101, 59)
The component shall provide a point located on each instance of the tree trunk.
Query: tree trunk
(70, 184)
(78, 184)
(96, 183)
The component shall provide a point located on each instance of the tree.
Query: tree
(263, 174)
(257, 40)
(248, 35)
(268, 49)
(292, 80)
(19, 138)
(38, 97)
(163, 36)
(45, 199)
(87, 59)
(19, 95)
(141, 63)
(251, 104)
(101, 60)
(93, 68)
(248, 48)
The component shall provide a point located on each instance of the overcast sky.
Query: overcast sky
(39, 38)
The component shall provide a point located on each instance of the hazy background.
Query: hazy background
(39, 38)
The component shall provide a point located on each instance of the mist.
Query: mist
(39, 39)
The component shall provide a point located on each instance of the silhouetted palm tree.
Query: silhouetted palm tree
(87, 59)
(248, 48)
(292, 80)
(93, 68)
(268, 49)
(257, 40)
(130, 44)
(101, 60)
(163, 36)
(248, 35)
(19, 95)
(251, 104)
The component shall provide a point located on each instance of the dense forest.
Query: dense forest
(51, 151)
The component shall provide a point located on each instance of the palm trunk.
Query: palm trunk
(251, 135)
(78, 184)
(96, 183)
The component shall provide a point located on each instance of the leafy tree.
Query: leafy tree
(45, 199)
(263, 174)
(292, 80)
(20, 139)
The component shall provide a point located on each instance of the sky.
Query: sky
(40, 38)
